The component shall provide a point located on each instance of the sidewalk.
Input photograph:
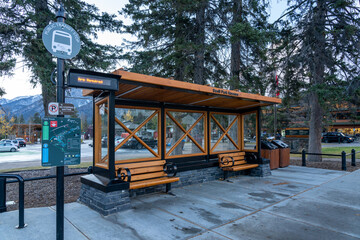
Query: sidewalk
(293, 203)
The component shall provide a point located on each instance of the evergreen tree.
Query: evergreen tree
(173, 40)
(21, 119)
(36, 118)
(21, 27)
(320, 55)
(249, 35)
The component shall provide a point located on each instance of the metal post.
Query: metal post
(275, 119)
(163, 132)
(353, 161)
(2, 194)
(60, 97)
(259, 132)
(21, 205)
(303, 157)
(343, 160)
(111, 137)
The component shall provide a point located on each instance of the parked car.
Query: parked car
(104, 140)
(7, 147)
(22, 143)
(336, 137)
(133, 143)
(15, 142)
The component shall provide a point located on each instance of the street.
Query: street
(30, 156)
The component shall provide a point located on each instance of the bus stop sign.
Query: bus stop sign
(61, 40)
(61, 141)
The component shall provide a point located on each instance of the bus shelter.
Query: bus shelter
(151, 118)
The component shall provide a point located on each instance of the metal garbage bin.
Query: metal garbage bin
(284, 153)
(271, 152)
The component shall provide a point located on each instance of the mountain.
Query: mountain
(29, 105)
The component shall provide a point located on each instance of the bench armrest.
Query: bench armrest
(122, 176)
(170, 168)
(225, 161)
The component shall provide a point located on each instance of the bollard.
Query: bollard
(21, 205)
(303, 157)
(2, 194)
(343, 160)
(353, 161)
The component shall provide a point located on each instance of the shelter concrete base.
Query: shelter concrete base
(107, 203)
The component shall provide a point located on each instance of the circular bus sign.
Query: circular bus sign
(61, 40)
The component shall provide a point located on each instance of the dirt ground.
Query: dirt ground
(41, 193)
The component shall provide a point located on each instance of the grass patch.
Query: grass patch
(338, 150)
(333, 150)
(23, 169)
(81, 165)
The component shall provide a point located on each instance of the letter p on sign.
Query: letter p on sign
(53, 108)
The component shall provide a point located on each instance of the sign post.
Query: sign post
(63, 42)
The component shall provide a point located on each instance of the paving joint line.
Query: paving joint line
(307, 223)
(185, 219)
(52, 208)
(287, 198)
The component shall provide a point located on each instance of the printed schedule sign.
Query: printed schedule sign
(61, 141)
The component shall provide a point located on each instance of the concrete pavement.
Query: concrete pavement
(293, 203)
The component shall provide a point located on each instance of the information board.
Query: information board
(93, 80)
(61, 141)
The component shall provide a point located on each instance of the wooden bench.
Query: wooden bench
(234, 162)
(147, 173)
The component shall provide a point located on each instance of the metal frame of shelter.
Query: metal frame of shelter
(165, 97)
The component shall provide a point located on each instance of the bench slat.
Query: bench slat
(235, 163)
(241, 167)
(147, 176)
(134, 171)
(140, 164)
(232, 154)
(153, 182)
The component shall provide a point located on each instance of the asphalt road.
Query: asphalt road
(30, 156)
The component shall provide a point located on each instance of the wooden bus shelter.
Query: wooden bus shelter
(152, 118)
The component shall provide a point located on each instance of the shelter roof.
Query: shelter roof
(135, 86)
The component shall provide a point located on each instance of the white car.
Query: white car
(15, 142)
(8, 147)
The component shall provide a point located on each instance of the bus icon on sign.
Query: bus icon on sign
(61, 42)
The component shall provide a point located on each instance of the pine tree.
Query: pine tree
(173, 40)
(249, 35)
(21, 27)
(320, 55)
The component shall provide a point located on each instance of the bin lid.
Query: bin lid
(279, 143)
(268, 145)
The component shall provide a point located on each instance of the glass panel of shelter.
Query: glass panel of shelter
(185, 133)
(101, 133)
(225, 132)
(137, 133)
(250, 131)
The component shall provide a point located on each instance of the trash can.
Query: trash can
(284, 153)
(271, 152)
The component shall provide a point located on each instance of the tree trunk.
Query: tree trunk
(179, 43)
(317, 73)
(315, 127)
(200, 42)
(235, 48)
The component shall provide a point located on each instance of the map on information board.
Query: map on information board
(61, 141)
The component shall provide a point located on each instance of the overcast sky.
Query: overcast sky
(19, 85)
